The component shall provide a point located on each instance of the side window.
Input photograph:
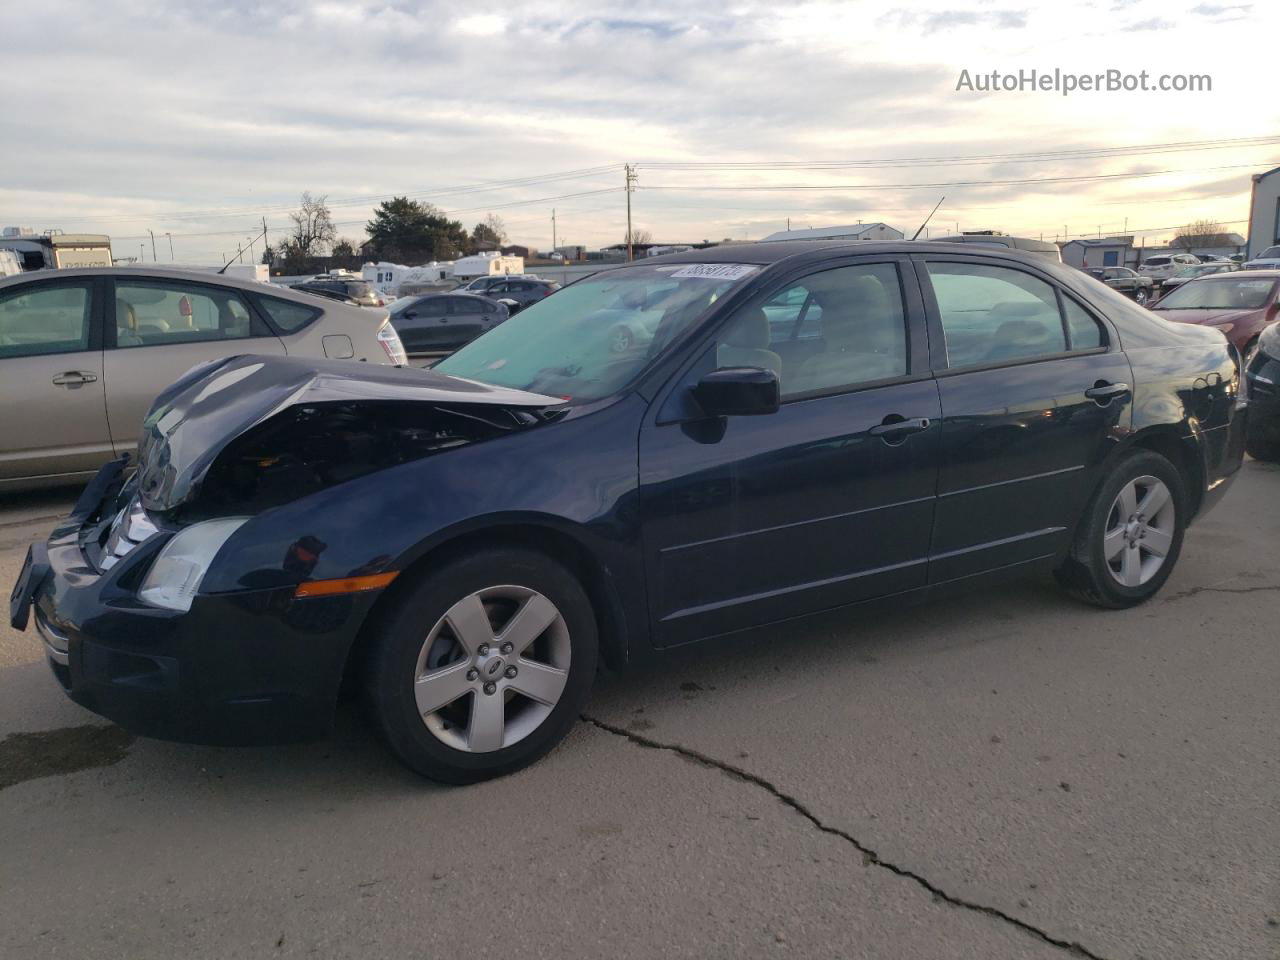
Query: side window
(433, 307)
(148, 314)
(287, 316)
(995, 314)
(467, 305)
(1086, 332)
(44, 320)
(849, 329)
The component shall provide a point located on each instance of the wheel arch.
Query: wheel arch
(1182, 452)
(541, 535)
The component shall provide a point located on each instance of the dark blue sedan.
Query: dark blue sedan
(796, 427)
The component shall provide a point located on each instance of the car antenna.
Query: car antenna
(254, 240)
(928, 218)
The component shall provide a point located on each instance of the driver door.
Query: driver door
(829, 500)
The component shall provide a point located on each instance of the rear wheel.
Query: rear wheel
(1130, 535)
(1141, 296)
(483, 665)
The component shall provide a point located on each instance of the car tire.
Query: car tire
(1140, 297)
(431, 642)
(1118, 559)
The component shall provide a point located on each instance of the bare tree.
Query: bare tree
(497, 227)
(1201, 233)
(640, 236)
(313, 231)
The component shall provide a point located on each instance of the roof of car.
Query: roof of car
(165, 273)
(776, 251)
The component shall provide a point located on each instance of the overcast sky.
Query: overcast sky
(198, 119)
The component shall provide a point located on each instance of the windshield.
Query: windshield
(595, 336)
(1212, 293)
(1271, 253)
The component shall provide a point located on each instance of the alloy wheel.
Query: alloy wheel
(492, 669)
(1140, 529)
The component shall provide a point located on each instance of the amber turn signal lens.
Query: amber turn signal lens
(330, 588)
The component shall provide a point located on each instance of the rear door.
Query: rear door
(157, 330)
(423, 326)
(466, 321)
(53, 419)
(1035, 393)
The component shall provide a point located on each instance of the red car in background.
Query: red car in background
(1241, 304)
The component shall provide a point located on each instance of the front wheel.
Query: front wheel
(1129, 538)
(1141, 296)
(483, 665)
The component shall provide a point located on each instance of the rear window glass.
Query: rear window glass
(360, 289)
(286, 316)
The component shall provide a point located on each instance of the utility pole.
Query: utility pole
(153, 244)
(252, 255)
(266, 245)
(631, 179)
(553, 229)
(788, 224)
(170, 236)
(142, 257)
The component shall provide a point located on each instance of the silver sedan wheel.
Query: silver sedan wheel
(1139, 531)
(492, 668)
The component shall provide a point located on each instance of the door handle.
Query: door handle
(73, 378)
(1104, 392)
(895, 429)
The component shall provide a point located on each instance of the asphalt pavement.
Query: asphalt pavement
(1008, 774)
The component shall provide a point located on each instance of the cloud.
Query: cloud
(1222, 13)
(1154, 23)
(937, 21)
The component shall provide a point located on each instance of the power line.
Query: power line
(1064, 154)
(481, 187)
(785, 187)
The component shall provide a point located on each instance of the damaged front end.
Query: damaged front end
(251, 433)
(237, 437)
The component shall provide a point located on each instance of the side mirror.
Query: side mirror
(738, 392)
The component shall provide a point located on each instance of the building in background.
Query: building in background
(1099, 252)
(1215, 244)
(853, 231)
(1264, 213)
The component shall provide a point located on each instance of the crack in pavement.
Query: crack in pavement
(1195, 591)
(869, 855)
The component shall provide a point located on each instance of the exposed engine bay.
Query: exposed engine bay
(305, 449)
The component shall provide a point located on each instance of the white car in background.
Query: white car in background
(1165, 265)
(1268, 259)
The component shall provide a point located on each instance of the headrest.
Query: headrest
(750, 330)
(126, 319)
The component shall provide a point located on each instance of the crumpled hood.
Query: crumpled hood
(196, 417)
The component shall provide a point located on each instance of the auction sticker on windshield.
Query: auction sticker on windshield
(716, 271)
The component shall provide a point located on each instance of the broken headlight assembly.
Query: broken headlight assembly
(178, 570)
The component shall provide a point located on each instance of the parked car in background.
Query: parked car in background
(443, 322)
(1041, 248)
(346, 288)
(521, 290)
(1166, 265)
(1268, 259)
(1240, 304)
(1199, 270)
(84, 352)
(466, 543)
(481, 284)
(1132, 284)
(1263, 376)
